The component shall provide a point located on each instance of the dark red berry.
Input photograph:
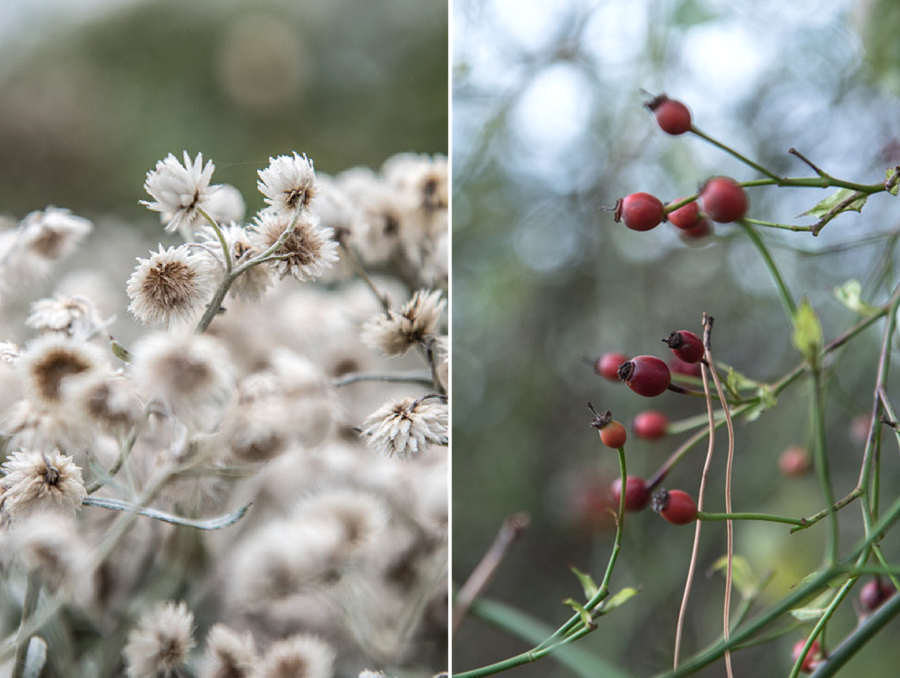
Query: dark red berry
(685, 217)
(637, 496)
(640, 211)
(701, 230)
(812, 658)
(646, 375)
(678, 366)
(794, 461)
(675, 506)
(686, 346)
(723, 200)
(874, 593)
(607, 365)
(650, 425)
(672, 116)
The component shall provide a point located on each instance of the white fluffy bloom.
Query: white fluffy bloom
(253, 283)
(52, 359)
(300, 655)
(393, 333)
(74, 317)
(53, 233)
(174, 284)
(191, 373)
(406, 427)
(288, 183)
(179, 190)
(229, 654)
(161, 641)
(39, 481)
(306, 252)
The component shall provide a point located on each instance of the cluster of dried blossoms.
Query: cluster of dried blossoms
(295, 364)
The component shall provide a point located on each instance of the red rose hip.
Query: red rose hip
(686, 346)
(812, 658)
(646, 375)
(650, 425)
(874, 593)
(672, 116)
(640, 211)
(678, 507)
(723, 200)
(607, 365)
(637, 496)
(685, 217)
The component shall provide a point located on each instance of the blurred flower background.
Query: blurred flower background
(548, 126)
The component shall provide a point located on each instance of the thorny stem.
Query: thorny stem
(32, 594)
(821, 460)
(765, 517)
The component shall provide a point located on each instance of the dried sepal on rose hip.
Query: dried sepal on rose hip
(612, 433)
(646, 375)
(686, 346)
(640, 211)
(672, 116)
(678, 507)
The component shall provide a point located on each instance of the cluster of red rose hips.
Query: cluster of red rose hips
(721, 199)
(648, 376)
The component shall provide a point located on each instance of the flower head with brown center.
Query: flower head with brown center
(173, 284)
(406, 427)
(305, 252)
(288, 183)
(40, 481)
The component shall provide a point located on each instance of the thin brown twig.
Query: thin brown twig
(700, 495)
(509, 531)
(729, 525)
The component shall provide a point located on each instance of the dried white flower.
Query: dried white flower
(179, 190)
(300, 656)
(50, 542)
(253, 283)
(229, 654)
(52, 234)
(393, 333)
(306, 252)
(9, 352)
(288, 183)
(44, 427)
(360, 516)
(424, 179)
(191, 373)
(52, 359)
(75, 317)
(106, 398)
(161, 642)
(174, 284)
(407, 427)
(40, 481)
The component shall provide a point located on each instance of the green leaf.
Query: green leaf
(619, 599)
(890, 181)
(808, 332)
(120, 352)
(587, 583)
(832, 201)
(737, 381)
(584, 614)
(849, 294)
(815, 608)
(741, 575)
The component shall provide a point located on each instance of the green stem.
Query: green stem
(821, 461)
(772, 224)
(787, 301)
(226, 255)
(838, 505)
(718, 144)
(702, 515)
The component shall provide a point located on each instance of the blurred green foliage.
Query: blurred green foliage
(87, 106)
